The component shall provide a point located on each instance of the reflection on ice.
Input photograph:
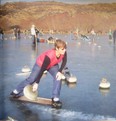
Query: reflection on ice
(70, 115)
(104, 92)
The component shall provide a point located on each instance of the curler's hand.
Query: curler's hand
(59, 76)
(35, 87)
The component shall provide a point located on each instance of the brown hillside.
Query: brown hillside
(58, 16)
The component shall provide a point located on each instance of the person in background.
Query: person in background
(49, 61)
(33, 34)
(15, 32)
(77, 33)
(93, 35)
(18, 33)
(110, 34)
(37, 35)
(1, 34)
(114, 37)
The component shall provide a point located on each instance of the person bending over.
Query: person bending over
(49, 61)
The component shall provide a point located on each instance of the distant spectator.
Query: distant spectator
(93, 35)
(1, 34)
(77, 33)
(114, 36)
(18, 33)
(15, 32)
(33, 34)
(110, 34)
(37, 35)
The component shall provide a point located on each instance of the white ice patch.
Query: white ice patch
(69, 115)
(23, 74)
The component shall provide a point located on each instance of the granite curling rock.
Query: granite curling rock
(72, 79)
(104, 84)
(29, 94)
(26, 69)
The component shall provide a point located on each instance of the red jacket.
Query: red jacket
(53, 59)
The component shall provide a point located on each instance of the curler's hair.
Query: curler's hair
(60, 44)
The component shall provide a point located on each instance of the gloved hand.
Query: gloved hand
(35, 87)
(59, 76)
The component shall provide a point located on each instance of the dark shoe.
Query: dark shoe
(13, 95)
(56, 104)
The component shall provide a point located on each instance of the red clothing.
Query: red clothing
(48, 59)
(52, 56)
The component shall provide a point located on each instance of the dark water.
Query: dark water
(83, 101)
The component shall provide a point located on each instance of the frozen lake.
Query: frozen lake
(83, 101)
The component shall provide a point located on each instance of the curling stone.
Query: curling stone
(104, 92)
(104, 84)
(72, 79)
(71, 85)
(29, 94)
(26, 69)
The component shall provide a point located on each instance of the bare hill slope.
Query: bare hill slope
(58, 16)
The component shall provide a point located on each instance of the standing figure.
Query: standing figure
(110, 34)
(33, 34)
(18, 33)
(15, 33)
(77, 33)
(37, 35)
(114, 36)
(93, 35)
(47, 61)
(1, 34)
